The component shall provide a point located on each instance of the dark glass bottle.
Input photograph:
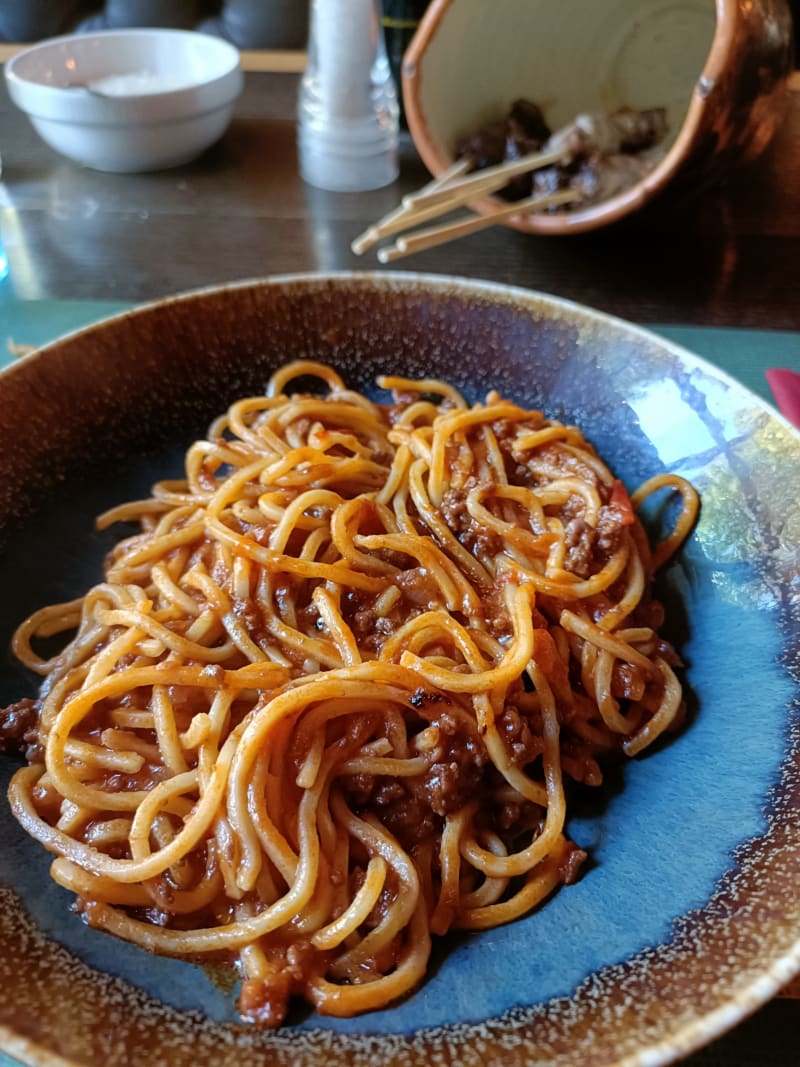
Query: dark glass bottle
(400, 20)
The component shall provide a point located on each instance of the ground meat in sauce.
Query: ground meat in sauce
(246, 609)
(627, 681)
(368, 623)
(410, 819)
(506, 431)
(419, 588)
(19, 729)
(120, 782)
(265, 1003)
(385, 901)
(508, 816)
(648, 613)
(453, 779)
(567, 463)
(187, 701)
(668, 653)
(522, 745)
(369, 628)
(610, 526)
(478, 539)
(572, 863)
(454, 510)
(590, 548)
(580, 540)
(412, 808)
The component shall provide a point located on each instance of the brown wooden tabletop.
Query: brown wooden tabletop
(731, 259)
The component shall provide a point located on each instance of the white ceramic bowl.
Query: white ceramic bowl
(157, 98)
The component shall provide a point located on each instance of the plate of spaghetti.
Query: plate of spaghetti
(397, 668)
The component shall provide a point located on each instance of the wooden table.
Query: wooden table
(242, 211)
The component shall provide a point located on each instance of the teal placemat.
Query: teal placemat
(744, 354)
(35, 322)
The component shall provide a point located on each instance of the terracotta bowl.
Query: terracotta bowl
(688, 916)
(720, 69)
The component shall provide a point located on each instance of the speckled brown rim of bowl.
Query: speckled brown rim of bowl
(719, 952)
(701, 132)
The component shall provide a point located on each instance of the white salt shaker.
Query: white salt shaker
(347, 110)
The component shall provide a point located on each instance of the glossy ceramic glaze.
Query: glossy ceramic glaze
(719, 68)
(686, 918)
(181, 88)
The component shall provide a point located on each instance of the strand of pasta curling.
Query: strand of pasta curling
(385, 602)
(234, 934)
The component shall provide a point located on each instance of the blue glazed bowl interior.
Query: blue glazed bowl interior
(665, 829)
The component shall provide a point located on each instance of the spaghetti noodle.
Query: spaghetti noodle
(325, 702)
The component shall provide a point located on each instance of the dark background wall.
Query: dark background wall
(248, 23)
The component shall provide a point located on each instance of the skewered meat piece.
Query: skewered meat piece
(608, 135)
(485, 147)
(600, 178)
(521, 132)
(605, 154)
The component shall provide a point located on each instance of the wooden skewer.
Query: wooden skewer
(454, 194)
(413, 217)
(451, 231)
(483, 181)
(399, 218)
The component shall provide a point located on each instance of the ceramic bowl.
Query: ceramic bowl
(687, 917)
(128, 100)
(719, 69)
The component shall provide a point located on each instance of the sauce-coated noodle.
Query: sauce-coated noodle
(325, 702)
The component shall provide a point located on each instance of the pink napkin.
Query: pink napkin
(785, 386)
